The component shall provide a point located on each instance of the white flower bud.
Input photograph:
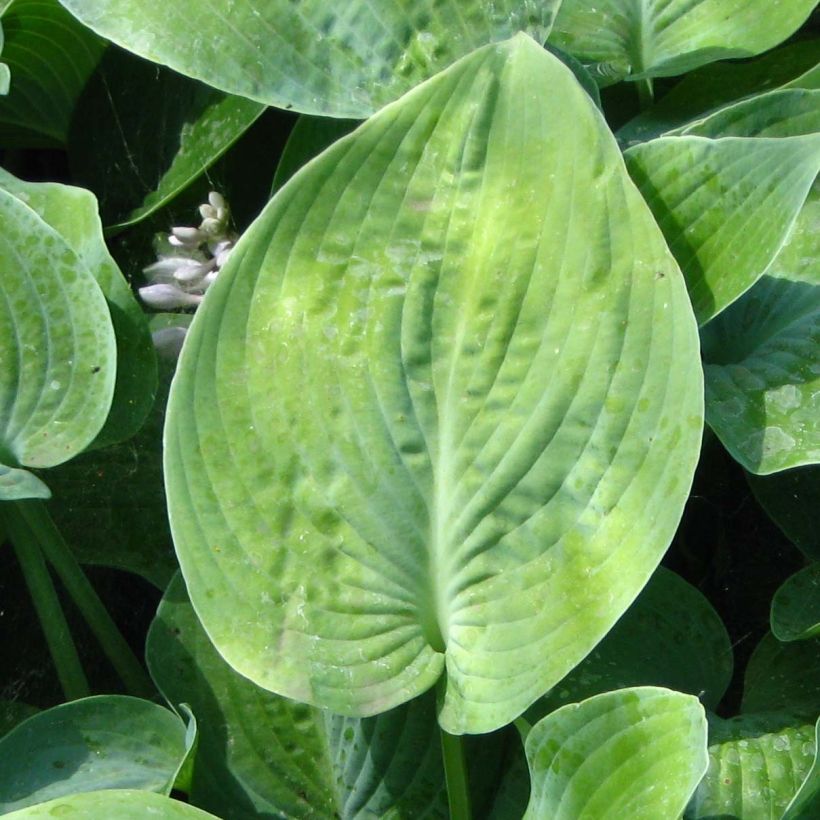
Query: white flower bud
(168, 297)
(216, 200)
(188, 236)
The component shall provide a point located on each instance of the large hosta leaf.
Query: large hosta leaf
(341, 60)
(635, 753)
(57, 348)
(124, 804)
(104, 742)
(50, 56)
(762, 376)
(454, 411)
(725, 205)
(670, 636)
(806, 803)
(72, 212)
(661, 38)
(756, 766)
(261, 754)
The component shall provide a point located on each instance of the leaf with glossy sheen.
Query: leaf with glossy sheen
(57, 345)
(259, 753)
(757, 763)
(635, 753)
(154, 133)
(51, 56)
(16, 484)
(725, 206)
(783, 677)
(792, 501)
(122, 804)
(72, 212)
(340, 60)
(670, 636)
(662, 38)
(454, 415)
(710, 87)
(102, 742)
(796, 606)
(762, 378)
(806, 803)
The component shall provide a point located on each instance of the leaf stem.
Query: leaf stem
(125, 662)
(646, 92)
(455, 771)
(46, 603)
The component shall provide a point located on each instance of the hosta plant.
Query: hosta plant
(390, 390)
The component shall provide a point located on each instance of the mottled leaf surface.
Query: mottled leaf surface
(662, 38)
(57, 346)
(757, 763)
(635, 753)
(340, 60)
(437, 410)
(72, 212)
(102, 742)
(762, 375)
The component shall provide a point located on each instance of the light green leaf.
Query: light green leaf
(16, 484)
(710, 87)
(154, 133)
(788, 112)
(806, 803)
(661, 38)
(5, 74)
(72, 212)
(670, 636)
(124, 804)
(260, 754)
(51, 56)
(57, 345)
(792, 500)
(757, 763)
(796, 606)
(336, 60)
(799, 258)
(725, 206)
(454, 415)
(636, 753)
(762, 397)
(784, 677)
(102, 742)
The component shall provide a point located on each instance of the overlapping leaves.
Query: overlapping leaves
(487, 405)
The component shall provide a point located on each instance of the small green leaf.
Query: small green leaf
(762, 396)
(783, 677)
(792, 500)
(670, 636)
(708, 88)
(454, 414)
(334, 60)
(154, 133)
(756, 765)
(636, 753)
(102, 742)
(662, 38)
(725, 206)
(796, 606)
(57, 344)
(122, 804)
(16, 484)
(51, 56)
(72, 212)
